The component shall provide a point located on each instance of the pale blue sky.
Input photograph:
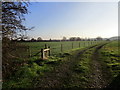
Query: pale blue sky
(80, 19)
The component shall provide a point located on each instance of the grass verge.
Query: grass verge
(110, 56)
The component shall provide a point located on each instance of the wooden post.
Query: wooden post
(72, 45)
(42, 54)
(45, 46)
(79, 44)
(29, 52)
(84, 43)
(49, 51)
(61, 48)
(45, 52)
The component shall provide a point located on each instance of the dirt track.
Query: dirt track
(97, 75)
(62, 74)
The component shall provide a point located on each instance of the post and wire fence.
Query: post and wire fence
(64, 47)
(59, 47)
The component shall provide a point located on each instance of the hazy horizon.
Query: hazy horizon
(72, 19)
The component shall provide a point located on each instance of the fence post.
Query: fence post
(72, 45)
(46, 52)
(79, 44)
(49, 50)
(29, 52)
(84, 44)
(42, 53)
(61, 48)
(45, 46)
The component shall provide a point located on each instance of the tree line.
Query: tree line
(39, 39)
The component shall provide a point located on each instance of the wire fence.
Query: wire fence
(58, 47)
(30, 49)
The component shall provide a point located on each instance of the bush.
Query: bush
(12, 57)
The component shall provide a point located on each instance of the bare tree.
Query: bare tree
(64, 39)
(72, 38)
(39, 39)
(12, 26)
(99, 38)
(12, 18)
(33, 40)
(78, 39)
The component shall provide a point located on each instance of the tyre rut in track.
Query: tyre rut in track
(61, 75)
(98, 80)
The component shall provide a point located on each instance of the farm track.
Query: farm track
(98, 79)
(62, 74)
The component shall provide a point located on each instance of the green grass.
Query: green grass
(56, 46)
(27, 74)
(34, 67)
(112, 48)
(111, 57)
(81, 71)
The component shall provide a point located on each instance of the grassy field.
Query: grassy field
(56, 46)
(111, 56)
(77, 67)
